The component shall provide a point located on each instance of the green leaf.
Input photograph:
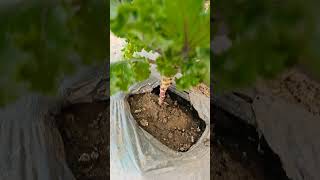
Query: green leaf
(177, 30)
(121, 76)
(141, 70)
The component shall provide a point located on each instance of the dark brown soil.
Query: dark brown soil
(85, 132)
(173, 124)
(239, 153)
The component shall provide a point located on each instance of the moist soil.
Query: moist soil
(85, 131)
(175, 123)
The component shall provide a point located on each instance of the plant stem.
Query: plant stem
(165, 83)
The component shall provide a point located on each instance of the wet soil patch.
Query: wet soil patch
(175, 124)
(85, 131)
(239, 153)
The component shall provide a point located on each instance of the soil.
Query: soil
(296, 87)
(85, 131)
(239, 153)
(203, 89)
(175, 123)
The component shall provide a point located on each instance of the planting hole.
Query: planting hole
(175, 124)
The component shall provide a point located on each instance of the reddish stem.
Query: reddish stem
(165, 83)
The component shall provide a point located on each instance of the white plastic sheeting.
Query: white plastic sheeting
(293, 133)
(117, 44)
(137, 155)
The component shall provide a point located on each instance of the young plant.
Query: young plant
(178, 30)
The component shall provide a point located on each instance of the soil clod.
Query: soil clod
(164, 120)
(94, 155)
(144, 122)
(84, 157)
(192, 139)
